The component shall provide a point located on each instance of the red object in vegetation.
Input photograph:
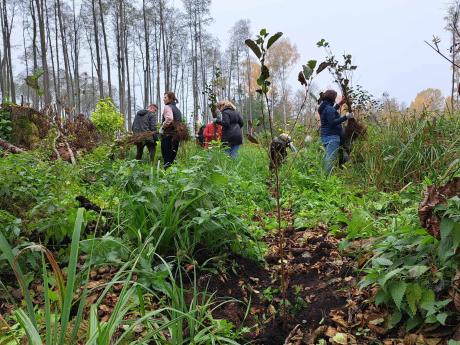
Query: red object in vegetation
(212, 131)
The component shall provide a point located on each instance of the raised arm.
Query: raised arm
(334, 118)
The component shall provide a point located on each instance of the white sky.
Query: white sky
(385, 37)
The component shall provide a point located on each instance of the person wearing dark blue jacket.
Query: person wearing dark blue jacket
(331, 126)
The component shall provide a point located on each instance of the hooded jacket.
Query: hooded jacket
(144, 121)
(331, 121)
(231, 122)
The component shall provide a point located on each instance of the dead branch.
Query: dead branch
(437, 50)
(10, 147)
(291, 335)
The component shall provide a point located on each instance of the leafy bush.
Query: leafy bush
(107, 119)
(413, 270)
(5, 124)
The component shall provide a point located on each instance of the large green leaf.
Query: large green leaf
(312, 64)
(417, 271)
(413, 297)
(254, 47)
(397, 290)
(273, 39)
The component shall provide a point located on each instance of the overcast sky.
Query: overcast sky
(385, 37)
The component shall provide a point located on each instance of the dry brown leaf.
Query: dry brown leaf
(330, 332)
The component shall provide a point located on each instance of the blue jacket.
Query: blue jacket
(331, 121)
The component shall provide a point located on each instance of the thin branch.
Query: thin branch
(440, 53)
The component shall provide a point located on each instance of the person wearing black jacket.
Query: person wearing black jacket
(144, 121)
(232, 122)
(171, 117)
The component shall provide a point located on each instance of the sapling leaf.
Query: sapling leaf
(307, 71)
(312, 64)
(322, 66)
(322, 43)
(254, 47)
(263, 32)
(273, 39)
(264, 75)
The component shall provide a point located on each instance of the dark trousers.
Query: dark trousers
(169, 148)
(151, 146)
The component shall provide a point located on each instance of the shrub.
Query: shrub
(107, 119)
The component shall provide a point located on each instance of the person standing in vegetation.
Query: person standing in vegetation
(144, 121)
(212, 132)
(232, 122)
(171, 118)
(331, 130)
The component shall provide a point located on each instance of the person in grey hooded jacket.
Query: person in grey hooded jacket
(145, 121)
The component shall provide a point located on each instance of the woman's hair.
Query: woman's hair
(329, 95)
(225, 104)
(172, 96)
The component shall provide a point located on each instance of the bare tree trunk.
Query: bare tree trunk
(76, 41)
(158, 61)
(120, 56)
(68, 76)
(56, 36)
(147, 71)
(34, 51)
(98, 54)
(48, 32)
(6, 31)
(41, 12)
(104, 35)
(26, 60)
(127, 79)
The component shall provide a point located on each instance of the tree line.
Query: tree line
(65, 55)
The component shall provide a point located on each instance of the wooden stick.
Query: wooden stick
(10, 147)
(291, 334)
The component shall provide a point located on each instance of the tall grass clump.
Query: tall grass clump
(406, 149)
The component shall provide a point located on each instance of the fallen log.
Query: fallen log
(10, 147)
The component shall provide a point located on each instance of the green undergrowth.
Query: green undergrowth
(376, 197)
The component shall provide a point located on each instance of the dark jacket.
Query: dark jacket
(176, 112)
(331, 121)
(231, 127)
(144, 121)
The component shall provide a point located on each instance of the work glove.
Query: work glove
(293, 148)
(350, 116)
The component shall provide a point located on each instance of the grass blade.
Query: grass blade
(8, 252)
(71, 274)
(27, 325)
